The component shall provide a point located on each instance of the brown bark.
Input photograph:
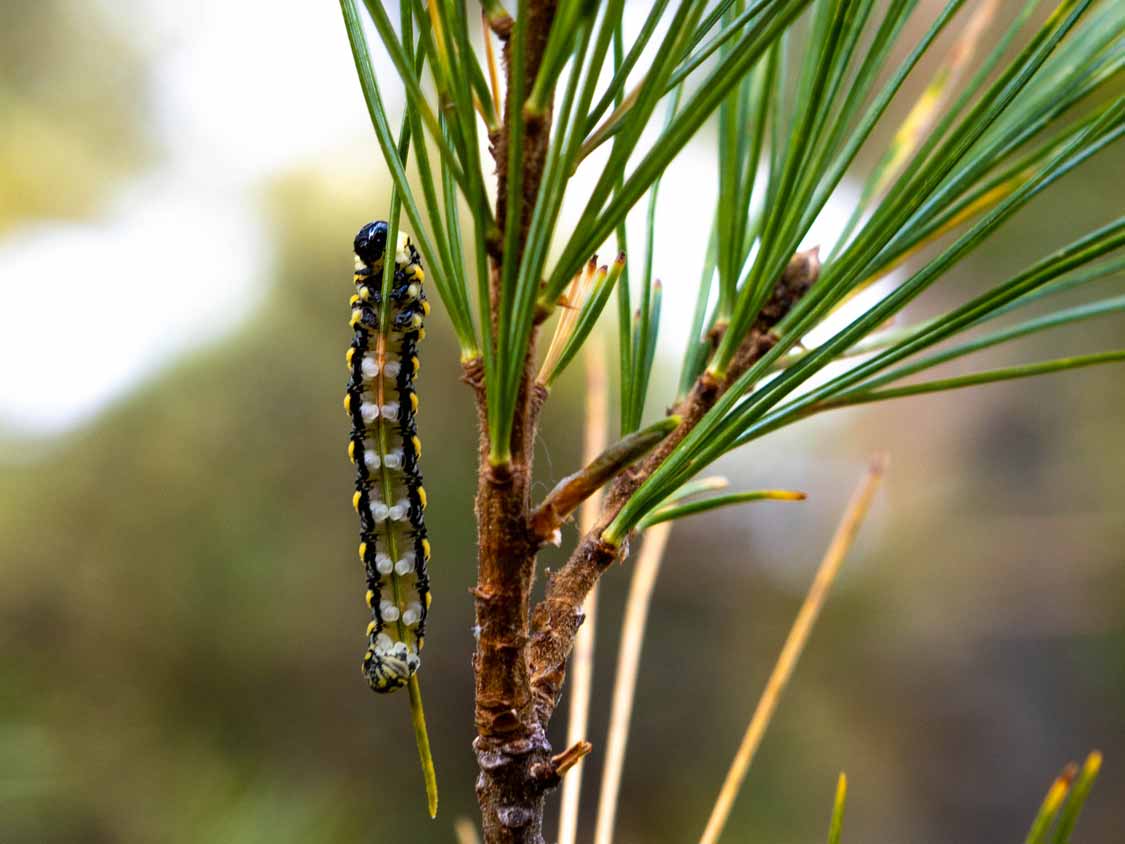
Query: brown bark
(514, 757)
(512, 751)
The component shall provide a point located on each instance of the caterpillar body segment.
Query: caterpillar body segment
(385, 449)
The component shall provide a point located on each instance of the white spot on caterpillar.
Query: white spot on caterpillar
(369, 411)
(412, 615)
(383, 563)
(399, 510)
(393, 459)
(369, 367)
(371, 457)
(391, 368)
(390, 409)
(383, 642)
(379, 510)
(405, 566)
(389, 611)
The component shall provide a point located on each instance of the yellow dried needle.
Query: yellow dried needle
(493, 70)
(1056, 794)
(794, 645)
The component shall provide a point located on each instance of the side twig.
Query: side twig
(556, 619)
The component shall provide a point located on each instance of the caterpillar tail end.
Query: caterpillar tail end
(390, 667)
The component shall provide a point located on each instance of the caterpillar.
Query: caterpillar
(385, 449)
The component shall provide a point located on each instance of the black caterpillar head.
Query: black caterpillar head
(371, 242)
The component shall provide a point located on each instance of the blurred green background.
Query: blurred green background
(181, 613)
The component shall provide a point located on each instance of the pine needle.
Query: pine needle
(794, 645)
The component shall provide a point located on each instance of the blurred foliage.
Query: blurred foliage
(181, 615)
(73, 108)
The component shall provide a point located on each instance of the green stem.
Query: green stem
(422, 737)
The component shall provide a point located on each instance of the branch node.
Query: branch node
(518, 747)
(502, 25)
(514, 817)
(499, 475)
(472, 373)
(570, 757)
(482, 593)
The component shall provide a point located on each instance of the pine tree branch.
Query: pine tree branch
(512, 750)
(556, 619)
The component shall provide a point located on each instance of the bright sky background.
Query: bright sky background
(226, 123)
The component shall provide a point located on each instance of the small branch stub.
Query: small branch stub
(563, 762)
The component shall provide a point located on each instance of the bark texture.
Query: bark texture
(513, 755)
